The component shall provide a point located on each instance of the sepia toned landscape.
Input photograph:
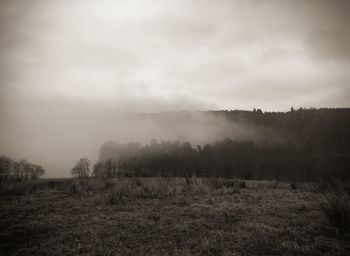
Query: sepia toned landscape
(283, 192)
(174, 127)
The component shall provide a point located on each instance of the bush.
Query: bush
(199, 186)
(157, 188)
(336, 207)
(114, 195)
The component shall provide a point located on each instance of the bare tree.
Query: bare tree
(21, 170)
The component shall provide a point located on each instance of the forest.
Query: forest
(302, 145)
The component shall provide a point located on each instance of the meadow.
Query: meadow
(170, 216)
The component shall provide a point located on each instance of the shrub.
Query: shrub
(199, 187)
(114, 195)
(157, 188)
(336, 206)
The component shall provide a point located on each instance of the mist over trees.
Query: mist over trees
(223, 158)
(81, 168)
(106, 169)
(303, 144)
(11, 170)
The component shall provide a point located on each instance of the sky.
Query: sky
(64, 64)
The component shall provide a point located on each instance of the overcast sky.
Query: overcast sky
(164, 55)
(149, 56)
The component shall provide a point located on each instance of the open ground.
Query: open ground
(162, 216)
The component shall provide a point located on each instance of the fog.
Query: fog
(56, 137)
(72, 72)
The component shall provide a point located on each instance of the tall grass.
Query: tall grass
(114, 193)
(155, 188)
(336, 206)
(199, 186)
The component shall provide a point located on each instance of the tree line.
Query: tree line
(311, 144)
(11, 170)
(223, 158)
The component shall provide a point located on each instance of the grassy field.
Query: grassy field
(165, 217)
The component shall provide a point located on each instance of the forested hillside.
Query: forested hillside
(303, 144)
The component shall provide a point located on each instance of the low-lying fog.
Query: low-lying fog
(56, 136)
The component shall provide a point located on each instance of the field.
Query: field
(161, 216)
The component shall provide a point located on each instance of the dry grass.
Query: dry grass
(336, 206)
(198, 186)
(114, 194)
(166, 217)
(155, 188)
